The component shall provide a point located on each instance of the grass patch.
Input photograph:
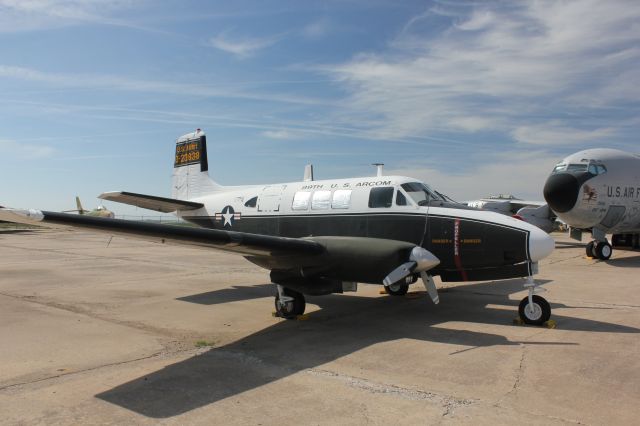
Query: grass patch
(205, 344)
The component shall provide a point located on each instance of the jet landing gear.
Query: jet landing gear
(599, 249)
(533, 309)
(289, 303)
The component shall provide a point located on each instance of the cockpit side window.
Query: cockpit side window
(420, 193)
(251, 202)
(601, 169)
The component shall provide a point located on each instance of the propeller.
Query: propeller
(430, 285)
(420, 260)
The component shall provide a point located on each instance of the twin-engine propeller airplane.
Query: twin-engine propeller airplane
(323, 237)
(598, 191)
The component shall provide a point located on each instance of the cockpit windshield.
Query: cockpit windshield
(592, 167)
(420, 193)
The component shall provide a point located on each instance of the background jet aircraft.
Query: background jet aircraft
(534, 212)
(598, 191)
(323, 237)
(100, 211)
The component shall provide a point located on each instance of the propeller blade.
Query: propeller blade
(399, 273)
(430, 285)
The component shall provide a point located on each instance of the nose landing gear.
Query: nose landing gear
(534, 309)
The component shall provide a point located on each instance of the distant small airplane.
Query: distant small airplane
(320, 237)
(598, 191)
(534, 212)
(100, 211)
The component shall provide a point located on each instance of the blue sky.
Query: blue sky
(471, 97)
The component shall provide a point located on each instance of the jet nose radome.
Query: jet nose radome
(561, 192)
(540, 244)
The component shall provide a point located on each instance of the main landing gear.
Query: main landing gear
(400, 288)
(533, 309)
(289, 303)
(599, 249)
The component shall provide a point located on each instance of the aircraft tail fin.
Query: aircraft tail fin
(79, 205)
(191, 168)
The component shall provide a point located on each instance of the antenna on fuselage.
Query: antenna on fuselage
(308, 173)
(379, 168)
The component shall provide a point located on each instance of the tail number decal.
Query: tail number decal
(188, 153)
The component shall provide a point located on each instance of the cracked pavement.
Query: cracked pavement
(96, 330)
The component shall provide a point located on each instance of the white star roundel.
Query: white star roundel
(228, 216)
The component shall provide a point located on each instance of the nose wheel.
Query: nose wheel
(534, 309)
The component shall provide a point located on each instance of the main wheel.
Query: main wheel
(603, 250)
(536, 314)
(397, 289)
(589, 249)
(292, 308)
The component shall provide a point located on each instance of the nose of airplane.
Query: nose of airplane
(561, 192)
(540, 244)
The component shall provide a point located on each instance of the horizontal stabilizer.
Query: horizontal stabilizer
(151, 202)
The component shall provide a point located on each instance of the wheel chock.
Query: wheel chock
(383, 291)
(551, 324)
(303, 317)
(275, 314)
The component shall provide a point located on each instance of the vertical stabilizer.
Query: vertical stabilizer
(191, 168)
(79, 205)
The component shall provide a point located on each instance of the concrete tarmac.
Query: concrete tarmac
(100, 330)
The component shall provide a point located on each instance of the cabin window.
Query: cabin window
(601, 169)
(401, 200)
(341, 199)
(252, 202)
(321, 200)
(301, 200)
(381, 197)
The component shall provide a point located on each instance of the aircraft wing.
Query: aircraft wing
(518, 204)
(350, 258)
(243, 243)
(151, 202)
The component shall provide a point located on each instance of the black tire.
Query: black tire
(291, 309)
(397, 289)
(589, 249)
(603, 250)
(541, 313)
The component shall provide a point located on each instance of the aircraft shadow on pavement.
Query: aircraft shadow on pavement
(231, 294)
(624, 262)
(343, 325)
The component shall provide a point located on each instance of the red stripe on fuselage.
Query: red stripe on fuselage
(456, 250)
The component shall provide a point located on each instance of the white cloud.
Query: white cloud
(244, 47)
(28, 15)
(555, 134)
(517, 173)
(280, 134)
(12, 149)
(116, 82)
(502, 67)
(317, 29)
